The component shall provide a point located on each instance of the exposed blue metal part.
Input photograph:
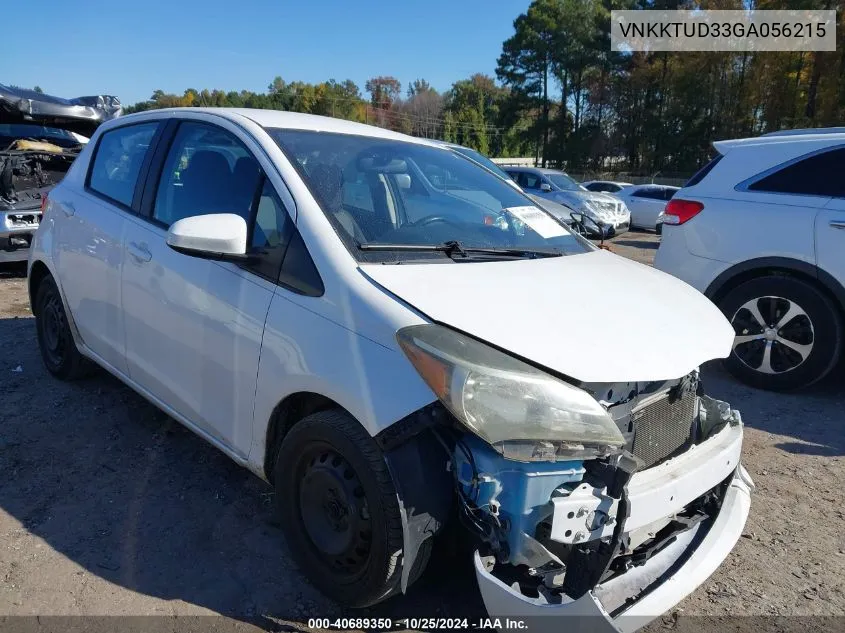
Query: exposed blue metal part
(518, 493)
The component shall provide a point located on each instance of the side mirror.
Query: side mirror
(588, 227)
(220, 236)
(544, 186)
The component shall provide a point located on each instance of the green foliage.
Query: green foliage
(569, 100)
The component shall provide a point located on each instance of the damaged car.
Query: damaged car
(40, 137)
(266, 279)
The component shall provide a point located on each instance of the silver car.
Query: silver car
(557, 186)
(561, 211)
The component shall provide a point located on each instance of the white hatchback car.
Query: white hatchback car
(760, 230)
(646, 204)
(292, 289)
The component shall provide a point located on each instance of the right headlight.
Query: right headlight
(521, 411)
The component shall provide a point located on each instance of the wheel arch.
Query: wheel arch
(287, 413)
(768, 266)
(37, 273)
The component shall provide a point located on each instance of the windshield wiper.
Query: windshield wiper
(453, 248)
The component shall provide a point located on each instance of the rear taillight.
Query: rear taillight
(679, 211)
(43, 203)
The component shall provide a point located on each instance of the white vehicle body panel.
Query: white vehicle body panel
(541, 321)
(830, 238)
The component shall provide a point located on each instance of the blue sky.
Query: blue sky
(130, 48)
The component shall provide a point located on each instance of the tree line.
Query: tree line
(561, 95)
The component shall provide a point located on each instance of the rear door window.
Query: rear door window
(529, 181)
(651, 194)
(117, 162)
(817, 175)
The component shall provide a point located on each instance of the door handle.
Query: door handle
(68, 208)
(139, 252)
(837, 224)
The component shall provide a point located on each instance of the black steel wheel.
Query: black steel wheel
(334, 510)
(788, 333)
(339, 510)
(55, 340)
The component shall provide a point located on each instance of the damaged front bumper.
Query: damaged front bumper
(16, 230)
(646, 589)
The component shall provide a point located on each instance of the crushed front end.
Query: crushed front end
(617, 539)
(610, 501)
(40, 137)
(28, 171)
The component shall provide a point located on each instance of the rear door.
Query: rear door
(830, 221)
(89, 249)
(194, 326)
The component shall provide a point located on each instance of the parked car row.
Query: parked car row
(373, 324)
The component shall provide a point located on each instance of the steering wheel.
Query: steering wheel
(433, 219)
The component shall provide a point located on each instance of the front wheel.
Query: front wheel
(788, 333)
(339, 509)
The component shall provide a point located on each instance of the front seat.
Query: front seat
(206, 186)
(327, 182)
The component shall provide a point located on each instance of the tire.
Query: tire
(55, 340)
(339, 510)
(658, 229)
(800, 350)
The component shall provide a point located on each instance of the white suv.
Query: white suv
(761, 231)
(336, 307)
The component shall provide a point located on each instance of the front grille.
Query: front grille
(663, 426)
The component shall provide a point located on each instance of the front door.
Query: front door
(194, 326)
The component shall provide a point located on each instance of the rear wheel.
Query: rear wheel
(55, 340)
(788, 334)
(339, 510)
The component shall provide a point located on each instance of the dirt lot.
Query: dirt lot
(108, 507)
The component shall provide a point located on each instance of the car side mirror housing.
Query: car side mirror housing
(219, 236)
(544, 186)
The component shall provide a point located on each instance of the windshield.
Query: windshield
(389, 192)
(562, 181)
(482, 160)
(10, 132)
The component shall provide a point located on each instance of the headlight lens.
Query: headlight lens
(524, 413)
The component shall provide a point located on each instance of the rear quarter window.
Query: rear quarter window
(701, 173)
(821, 174)
(117, 161)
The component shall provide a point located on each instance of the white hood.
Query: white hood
(595, 317)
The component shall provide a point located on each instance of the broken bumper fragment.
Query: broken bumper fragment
(643, 587)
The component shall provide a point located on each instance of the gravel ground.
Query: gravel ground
(108, 507)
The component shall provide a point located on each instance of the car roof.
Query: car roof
(292, 121)
(829, 135)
